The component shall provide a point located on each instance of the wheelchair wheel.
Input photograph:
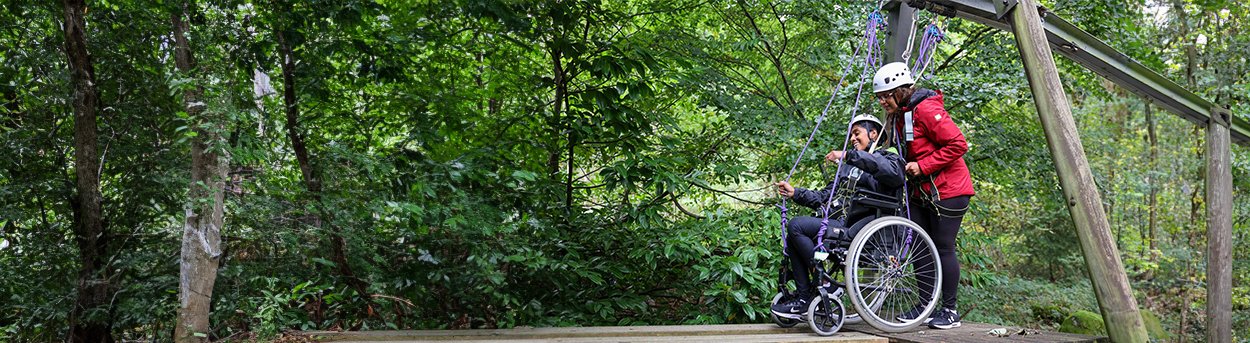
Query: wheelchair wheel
(825, 315)
(782, 322)
(852, 315)
(892, 269)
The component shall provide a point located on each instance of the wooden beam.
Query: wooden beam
(1106, 271)
(1219, 229)
(902, 20)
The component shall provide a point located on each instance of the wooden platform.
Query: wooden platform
(974, 333)
(671, 333)
(970, 332)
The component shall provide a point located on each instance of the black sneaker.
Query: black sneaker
(945, 319)
(793, 309)
(915, 312)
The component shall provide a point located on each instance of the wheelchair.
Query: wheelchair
(888, 264)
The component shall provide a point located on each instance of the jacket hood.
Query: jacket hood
(920, 95)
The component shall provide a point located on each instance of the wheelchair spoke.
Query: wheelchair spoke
(915, 278)
(931, 263)
(917, 249)
(890, 271)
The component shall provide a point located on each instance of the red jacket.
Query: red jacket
(938, 146)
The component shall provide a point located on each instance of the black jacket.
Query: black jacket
(881, 172)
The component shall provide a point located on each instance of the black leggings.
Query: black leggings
(801, 244)
(942, 229)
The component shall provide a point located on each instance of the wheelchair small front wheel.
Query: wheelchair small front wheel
(782, 322)
(825, 315)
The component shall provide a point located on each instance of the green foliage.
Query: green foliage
(552, 163)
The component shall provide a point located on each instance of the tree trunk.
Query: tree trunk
(561, 121)
(201, 234)
(311, 179)
(90, 318)
(1150, 180)
(553, 156)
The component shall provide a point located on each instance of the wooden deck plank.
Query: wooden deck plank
(558, 332)
(841, 337)
(973, 333)
(684, 333)
(969, 332)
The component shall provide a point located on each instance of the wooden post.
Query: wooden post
(1106, 271)
(901, 19)
(1219, 229)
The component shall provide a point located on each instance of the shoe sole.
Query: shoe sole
(945, 327)
(926, 320)
(788, 315)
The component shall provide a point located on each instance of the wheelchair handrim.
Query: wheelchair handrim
(879, 291)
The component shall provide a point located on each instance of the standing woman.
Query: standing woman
(941, 185)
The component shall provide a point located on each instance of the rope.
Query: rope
(911, 40)
(928, 47)
(874, 24)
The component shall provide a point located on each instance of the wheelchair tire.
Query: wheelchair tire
(883, 278)
(825, 320)
(782, 322)
(855, 318)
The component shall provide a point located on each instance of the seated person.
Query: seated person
(880, 170)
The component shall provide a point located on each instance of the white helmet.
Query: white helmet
(865, 117)
(891, 76)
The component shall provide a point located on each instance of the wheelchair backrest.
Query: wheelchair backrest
(884, 204)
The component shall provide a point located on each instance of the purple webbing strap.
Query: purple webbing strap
(870, 35)
(928, 47)
(875, 23)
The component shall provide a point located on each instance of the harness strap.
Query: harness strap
(931, 199)
(908, 130)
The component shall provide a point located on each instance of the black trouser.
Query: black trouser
(801, 245)
(942, 229)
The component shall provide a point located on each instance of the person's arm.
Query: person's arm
(942, 131)
(812, 198)
(886, 168)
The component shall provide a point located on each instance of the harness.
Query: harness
(929, 199)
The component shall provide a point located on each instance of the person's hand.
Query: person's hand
(785, 189)
(913, 168)
(835, 156)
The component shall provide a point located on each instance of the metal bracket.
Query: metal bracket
(1002, 7)
(936, 8)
